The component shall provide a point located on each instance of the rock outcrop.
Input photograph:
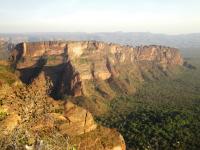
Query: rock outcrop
(80, 121)
(100, 139)
(69, 64)
(74, 121)
(27, 114)
(63, 69)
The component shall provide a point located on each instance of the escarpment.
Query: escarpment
(71, 64)
(85, 75)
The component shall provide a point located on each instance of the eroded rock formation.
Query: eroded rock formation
(66, 68)
(80, 121)
(69, 64)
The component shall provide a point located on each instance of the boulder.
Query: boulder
(80, 121)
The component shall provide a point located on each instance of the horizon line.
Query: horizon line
(105, 32)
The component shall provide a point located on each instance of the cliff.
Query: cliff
(71, 64)
(85, 75)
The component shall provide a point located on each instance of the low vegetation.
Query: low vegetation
(6, 75)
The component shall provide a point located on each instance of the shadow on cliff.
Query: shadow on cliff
(27, 75)
(16, 57)
(59, 75)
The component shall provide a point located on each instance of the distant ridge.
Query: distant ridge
(189, 44)
(126, 38)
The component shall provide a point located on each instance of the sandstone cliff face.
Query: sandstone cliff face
(80, 121)
(70, 63)
(163, 55)
(67, 68)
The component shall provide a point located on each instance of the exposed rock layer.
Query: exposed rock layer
(68, 64)
(79, 122)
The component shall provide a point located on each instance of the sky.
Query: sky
(156, 16)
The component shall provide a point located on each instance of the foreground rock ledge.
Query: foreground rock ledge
(80, 121)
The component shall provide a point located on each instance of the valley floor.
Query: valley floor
(163, 114)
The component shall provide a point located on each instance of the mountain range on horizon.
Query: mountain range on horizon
(125, 38)
(188, 44)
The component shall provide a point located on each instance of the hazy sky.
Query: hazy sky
(157, 16)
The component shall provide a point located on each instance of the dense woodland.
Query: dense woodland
(163, 114)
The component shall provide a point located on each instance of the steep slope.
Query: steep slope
(85, 76)
(72, 66)
(30, 119)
